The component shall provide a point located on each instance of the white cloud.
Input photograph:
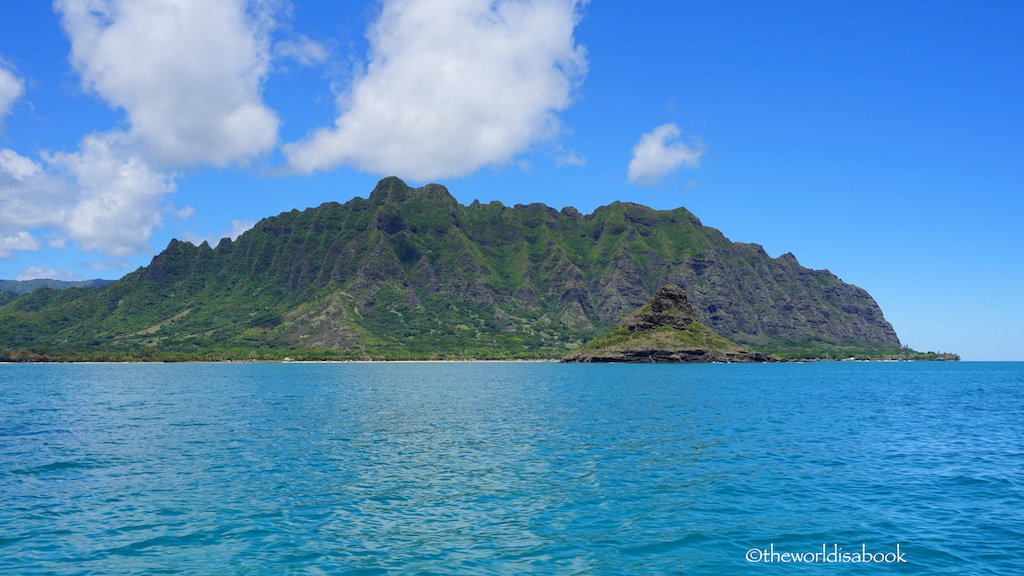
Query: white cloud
(658, 153)
(14, 166)
(18, 242)
(33, 272)
(565, 157)
(104, 196)
(119, 196)
(303, 50)
(57, 240)
(30, 198)
(109, 265)
(187, 73)
(452, 87)
(11, 88)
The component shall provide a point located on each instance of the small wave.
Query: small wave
(59, 466)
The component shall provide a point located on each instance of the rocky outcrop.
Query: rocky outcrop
(668, 307)
(664, 330)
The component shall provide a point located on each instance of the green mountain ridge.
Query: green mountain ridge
(411, 273)
(26, 286)
(11, 289)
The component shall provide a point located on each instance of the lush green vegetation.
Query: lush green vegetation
(819, 349)
(6, 297)
(155, 354)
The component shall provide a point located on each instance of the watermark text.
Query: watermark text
(828, 554)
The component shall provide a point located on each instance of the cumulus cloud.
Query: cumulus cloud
(188, 76)
(303, 50)
(109, 264)
(30, 198)
(104, 196)
(120, 196)
(659, 153)
(187, 73)
(11, 88)
(565, 157)
(19, 242)
(33, 272)
(452, 87)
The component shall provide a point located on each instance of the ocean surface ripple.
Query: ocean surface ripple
(511, 468)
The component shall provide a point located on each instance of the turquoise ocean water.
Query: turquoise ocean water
(512, 468)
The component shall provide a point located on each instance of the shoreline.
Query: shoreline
(467, 361)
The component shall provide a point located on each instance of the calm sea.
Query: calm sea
(512, 468)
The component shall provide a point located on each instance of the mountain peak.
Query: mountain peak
(663, 330)
(668, 307)
(394, 189)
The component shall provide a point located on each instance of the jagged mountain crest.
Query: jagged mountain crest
(406, 266)
(393, 190)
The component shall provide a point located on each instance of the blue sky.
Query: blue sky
(879, 140)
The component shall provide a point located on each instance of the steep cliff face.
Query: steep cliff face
(664, 330)
(412, 269)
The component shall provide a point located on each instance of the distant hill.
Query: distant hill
(26, 286)
(411, 273)
(664, 330)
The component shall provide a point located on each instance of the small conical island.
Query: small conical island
(664, 330)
